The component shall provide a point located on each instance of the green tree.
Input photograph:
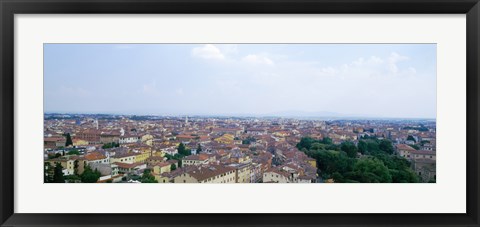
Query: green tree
(90, 176)
(414, 146)
(386, 146)
(362, 147)
(58, 174)
(327, 140)
(173, 167)
(110, 145)
(199, 149)
(56, 155)
(147, 177)
(349, 148)
(183, 150)
(338, 178)
(69, 140)
(249, 140)
(305, 142)
(48, 173)
(73, 152)
(73, 179)
(75, 167)
(371, 170)
(410, 137)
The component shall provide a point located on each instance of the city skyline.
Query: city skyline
(303, 80)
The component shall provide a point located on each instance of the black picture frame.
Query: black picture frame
(9, 8)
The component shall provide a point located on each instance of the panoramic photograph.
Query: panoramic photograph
(239, 113)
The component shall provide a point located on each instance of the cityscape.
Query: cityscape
(150, 149)
(239, 113)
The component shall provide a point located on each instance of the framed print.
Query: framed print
(239, 113)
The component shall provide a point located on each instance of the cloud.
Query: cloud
(376, 66)
(373, 60)
(228, 48)
(208, 51)
(393, 60)
(256, 59)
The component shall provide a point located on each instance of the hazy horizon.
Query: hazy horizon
(349, 80)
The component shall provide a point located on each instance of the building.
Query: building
(90, 135)
(276, 176)
(130, 167)
(404, 150)
(243, 172)
(95, 157)
(109, 137)
(129, 138)
(124, 158)
(53, 142)
(207, 174)
(68, 165)
(197, 159)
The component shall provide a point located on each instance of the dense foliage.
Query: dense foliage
(147, 177)
(371, 160)
(90, 176)
(58, 174)
(110, 145)
(199, 149)
(183, 150)
(68, 141)
(249, 140)
(73, 152)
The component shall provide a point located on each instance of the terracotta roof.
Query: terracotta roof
(94, 156)
(405, 147)
(53, 139)
(204, 172)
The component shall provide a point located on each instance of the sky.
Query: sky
(356, 80)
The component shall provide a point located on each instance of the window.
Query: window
(184, 181)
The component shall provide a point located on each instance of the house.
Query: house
(129, 138)
(168, 177)
(53, 142)
(90, 135)
(153, 160)
(109, 137)
(243, 172)
(79, 142)
(276, 176)
(225, 139)
(68, 164)
(197, 159)
(107, 171)
(95, 157)
(404, 150)
(426, 169)
(123, 158)
(423, 154)
(162, 167)
(207, 174)
(130, 167)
